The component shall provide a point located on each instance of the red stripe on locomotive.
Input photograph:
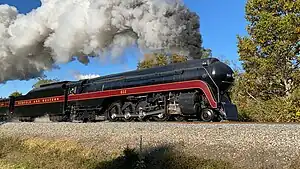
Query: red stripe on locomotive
(126, 91)
(4, 104)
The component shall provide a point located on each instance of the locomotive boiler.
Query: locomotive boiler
(195, 89)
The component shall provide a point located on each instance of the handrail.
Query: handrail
(218, 90)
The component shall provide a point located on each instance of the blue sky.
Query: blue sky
(220, 22)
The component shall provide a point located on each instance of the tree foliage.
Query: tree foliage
(271, 60)
(206, 53)
(159, 59)
(42, 81)
(271, 52)
(16, 94)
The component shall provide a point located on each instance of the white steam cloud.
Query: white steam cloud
(85, 76)
(60, 30)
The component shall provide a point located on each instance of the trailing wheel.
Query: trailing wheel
(207, 115)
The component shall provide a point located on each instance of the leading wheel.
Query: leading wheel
(207, 115)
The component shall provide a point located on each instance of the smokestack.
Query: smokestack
(59, 30)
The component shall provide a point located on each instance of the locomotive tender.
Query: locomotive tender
(194, 89)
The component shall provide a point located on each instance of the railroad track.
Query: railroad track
(166, 122)
(236, 122)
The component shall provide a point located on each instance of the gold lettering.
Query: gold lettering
(123, 91)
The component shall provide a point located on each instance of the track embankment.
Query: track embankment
(245, 145)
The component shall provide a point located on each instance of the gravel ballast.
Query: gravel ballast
(245, 145)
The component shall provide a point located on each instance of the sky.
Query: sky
(220, 23)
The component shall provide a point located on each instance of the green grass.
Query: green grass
(31, 153)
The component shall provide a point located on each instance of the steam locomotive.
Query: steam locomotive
(196, 89)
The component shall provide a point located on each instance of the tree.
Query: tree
(42, 81)
(270, 54)
(206, 53)
(160, 59)
(268, 88)
(16, 94)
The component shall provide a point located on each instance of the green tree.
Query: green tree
(16, 94)
(206, 53)
(159, 59)
(42, 81)
(268, 88)
(270, 54)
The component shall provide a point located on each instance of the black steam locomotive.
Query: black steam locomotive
(196, 89)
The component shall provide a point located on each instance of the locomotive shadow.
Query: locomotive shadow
(132, 159)
(160, 157)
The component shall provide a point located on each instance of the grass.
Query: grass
(31, 153)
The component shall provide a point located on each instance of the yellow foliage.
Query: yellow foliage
(158, 59)
(5, 165)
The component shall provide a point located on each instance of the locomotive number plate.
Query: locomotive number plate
(123, 91)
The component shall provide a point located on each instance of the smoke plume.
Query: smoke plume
(79, 76)
(61, 31)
